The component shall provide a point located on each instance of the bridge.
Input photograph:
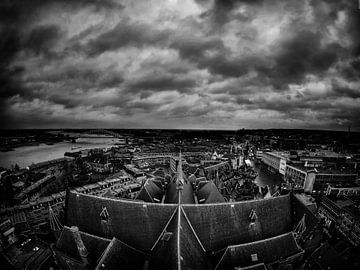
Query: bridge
(103, 132)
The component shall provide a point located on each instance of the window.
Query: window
(252, 216)
(254, 257)
(104, 215)
(166, 236)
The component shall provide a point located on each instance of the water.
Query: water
(26, 155)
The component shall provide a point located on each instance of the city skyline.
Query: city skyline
(180, 64)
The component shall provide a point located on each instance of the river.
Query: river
(26, 155)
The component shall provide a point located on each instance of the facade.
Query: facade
(300, 177)
(32, 192)
(323, 178)
(343, 191)
(36, 213)
(343, 215)
(145, 161)
(7, 235)
(99, 164)
(311, 179)
(276, 161)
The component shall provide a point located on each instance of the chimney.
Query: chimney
(80, 245)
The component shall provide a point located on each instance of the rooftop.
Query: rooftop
(175, 233)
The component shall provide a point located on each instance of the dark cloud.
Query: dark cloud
(344, 90)
(210, 53)
(300, 55)
(222, 9)
(298, 60)
(9, 75)
(161, 82)
(125, 34)
(15, 17)
(195, 48)
(43, 38)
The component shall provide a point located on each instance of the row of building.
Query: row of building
(312, 172)
(36, 213)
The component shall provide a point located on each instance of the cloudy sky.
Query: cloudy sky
(180, 64)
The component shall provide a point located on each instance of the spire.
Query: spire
(55, 224)
(179, 173)
(300, 228)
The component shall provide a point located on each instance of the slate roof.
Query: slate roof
(259, 266)
(119, 254)
(137, 224)
(180, 234)
(95, 245)
(220, 225)
(172, 194)
(151, 191)
(266, 251)
(209, 193)
(196, 229)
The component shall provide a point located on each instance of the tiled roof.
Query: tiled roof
(172, 193)
(136, 224)
(179, 234)
(209, 193)
(117, 254)
(220, 225)
(151, 192)
(95, 245)
(204, 228)
(265, 251)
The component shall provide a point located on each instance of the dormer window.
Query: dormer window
(166, 236)
(104, 215)
(254, 257)
(253, 217)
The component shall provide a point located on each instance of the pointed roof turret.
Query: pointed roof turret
(179, 173)
(55, 224)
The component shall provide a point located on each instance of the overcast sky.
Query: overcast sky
(180, 64)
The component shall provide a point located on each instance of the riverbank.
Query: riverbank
(26, 155)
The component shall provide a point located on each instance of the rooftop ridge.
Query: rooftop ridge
(236, 203)
(192, 228)
(162, 232)
(122, 200)
(180, 184)
(259, 241)
(88, 234)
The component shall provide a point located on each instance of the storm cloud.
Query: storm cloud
(180, 64)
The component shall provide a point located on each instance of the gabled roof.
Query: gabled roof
(172, 194)
(118, 254)
(328, 258)
(150, 192)
(95, 245)
(220, 225)
(265, 251)
(84, 210)
(178, 246)
(259, 266)
(179, 234)
(209, 193)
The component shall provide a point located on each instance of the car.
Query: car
(35, 248)
(25, 242)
